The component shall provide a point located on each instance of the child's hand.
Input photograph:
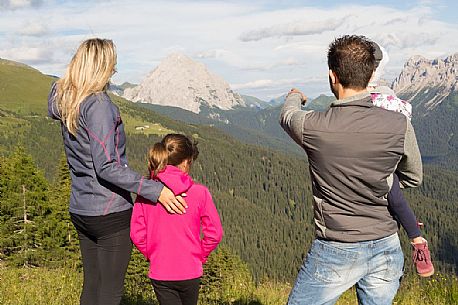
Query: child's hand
(174, 205)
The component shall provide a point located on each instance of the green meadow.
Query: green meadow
(29, 286)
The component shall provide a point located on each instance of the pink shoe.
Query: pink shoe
(422, 259)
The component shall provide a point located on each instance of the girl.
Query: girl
(95, 146)
(385, 98)
(171, 244)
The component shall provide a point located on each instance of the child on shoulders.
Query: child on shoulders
(385, 97)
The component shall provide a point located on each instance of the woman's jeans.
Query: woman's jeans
(331, 268)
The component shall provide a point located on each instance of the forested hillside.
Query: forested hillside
(263, 196)
(253, 125)
(436, 129)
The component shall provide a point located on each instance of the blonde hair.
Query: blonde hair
(89, 72)
(172, 150)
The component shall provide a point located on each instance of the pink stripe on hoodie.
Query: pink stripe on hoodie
(172, 242)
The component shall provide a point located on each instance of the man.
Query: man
(353, 150)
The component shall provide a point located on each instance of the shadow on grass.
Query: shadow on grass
(137, 299)
(141, 300)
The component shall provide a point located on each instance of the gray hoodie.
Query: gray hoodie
(101, 180)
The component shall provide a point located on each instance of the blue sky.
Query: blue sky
(261, 48)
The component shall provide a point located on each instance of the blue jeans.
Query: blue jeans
(330, 268)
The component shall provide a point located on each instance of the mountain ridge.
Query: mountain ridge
(419, 75)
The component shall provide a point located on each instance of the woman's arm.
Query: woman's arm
(101, 119)
(53, 112)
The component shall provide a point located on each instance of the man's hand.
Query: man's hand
(174, 205)
(303, 97)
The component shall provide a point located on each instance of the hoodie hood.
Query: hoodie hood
(175, 179)
(378, 74)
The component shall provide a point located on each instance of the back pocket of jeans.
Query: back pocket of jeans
(331, 264)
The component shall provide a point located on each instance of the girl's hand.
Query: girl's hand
(173, 204)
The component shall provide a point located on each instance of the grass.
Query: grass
(21, 286)
(23, 89)
(150, 128)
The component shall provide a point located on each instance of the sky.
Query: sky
(261, 48)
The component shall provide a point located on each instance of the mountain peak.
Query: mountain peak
(178, 56)
(180, 81)
(433, 78)
(416, 60)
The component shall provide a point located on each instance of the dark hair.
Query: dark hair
(378, 54)
(172, 150)
(351, 57)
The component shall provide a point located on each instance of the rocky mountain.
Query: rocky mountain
(278, 100)
(182, 82)
(431, 86)
(426, 83)
(254, 102)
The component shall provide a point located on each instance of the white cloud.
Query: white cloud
(215, 53)
(261, 83)
(406, 40)
(33, 29)
(287, 62)
(297, 28)
(31, 55)
(18, 4)
(269, 83)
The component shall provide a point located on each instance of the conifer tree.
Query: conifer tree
(24, 198)
(59, 237)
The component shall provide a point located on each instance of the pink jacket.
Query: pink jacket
(172, 242)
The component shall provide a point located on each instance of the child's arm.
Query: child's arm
(402, 211)
(211, 227)
(138, 228)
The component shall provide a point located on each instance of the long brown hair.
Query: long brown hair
(89, 72)
(172, 150)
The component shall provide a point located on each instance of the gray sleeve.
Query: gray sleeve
(102, 118)
(292, 117)
(410, 169)
(53, 112)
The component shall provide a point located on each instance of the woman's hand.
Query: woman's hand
(173, 204)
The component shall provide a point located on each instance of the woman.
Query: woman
(95, 143)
